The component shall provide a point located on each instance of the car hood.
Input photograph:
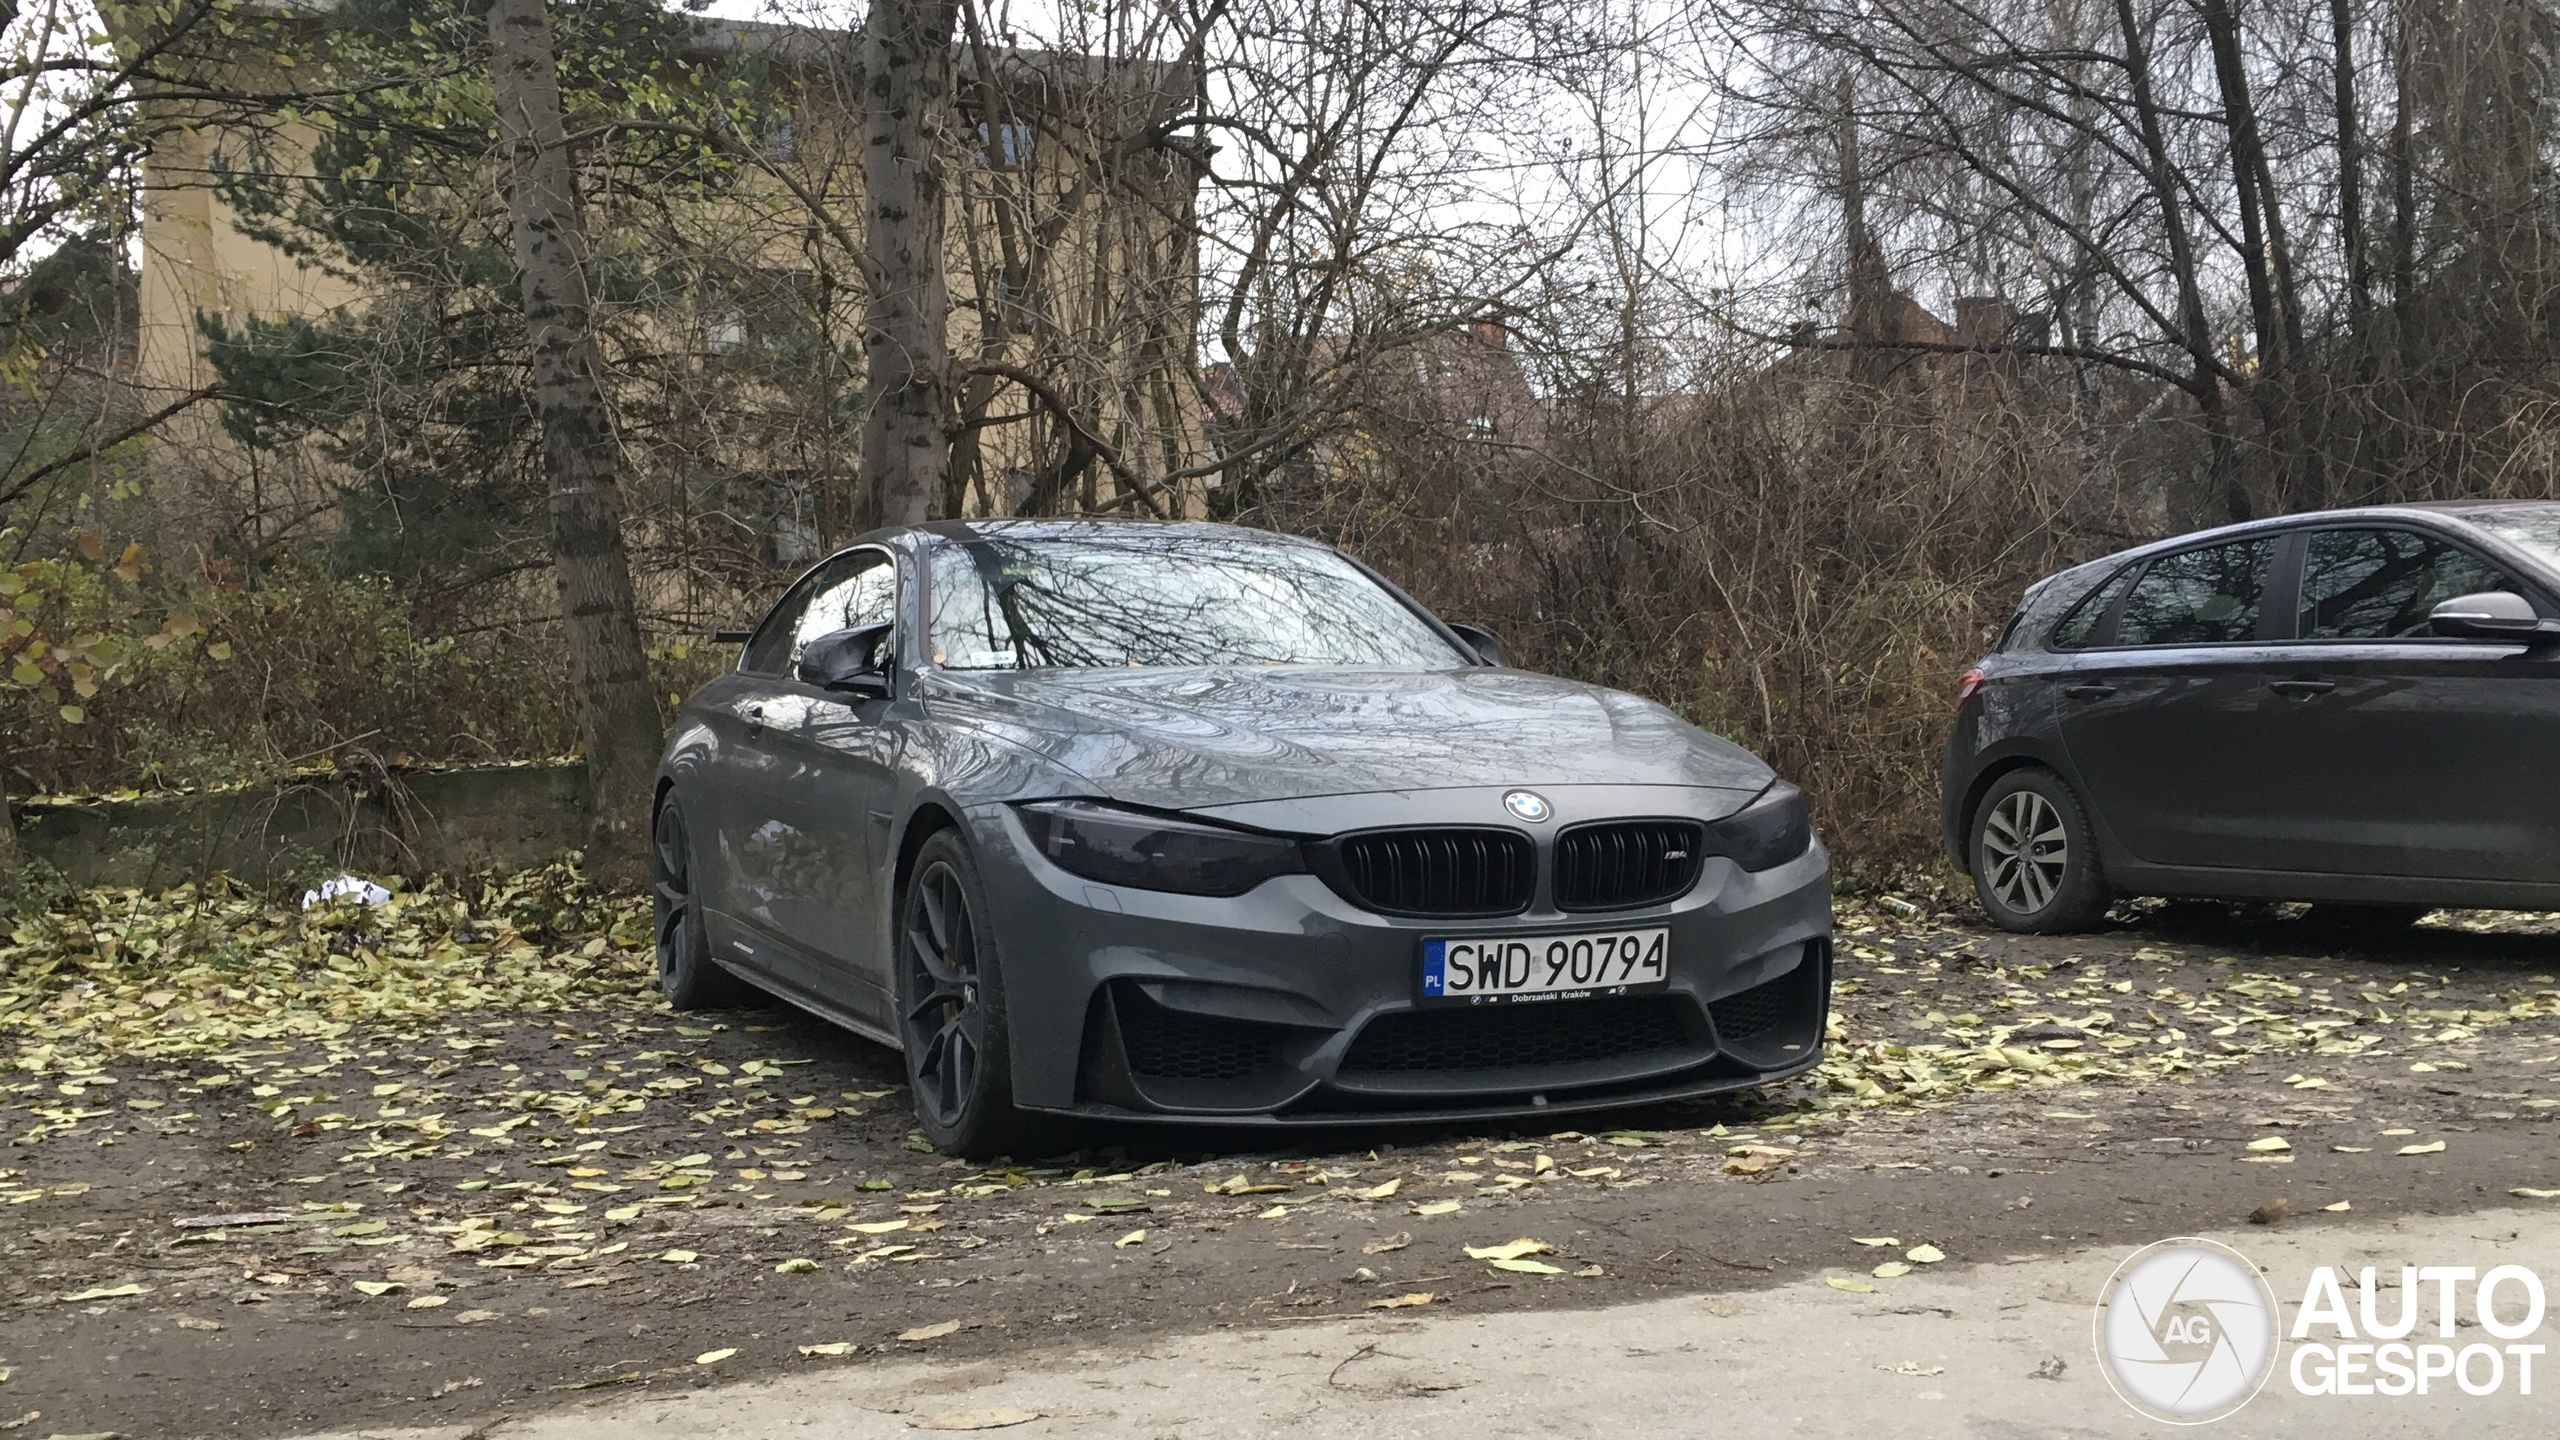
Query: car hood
(1193, 738)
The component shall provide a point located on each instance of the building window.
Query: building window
(1005, 146)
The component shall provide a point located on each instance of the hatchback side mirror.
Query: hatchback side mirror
(2493, 615)
(854, 662)
(1482, 641)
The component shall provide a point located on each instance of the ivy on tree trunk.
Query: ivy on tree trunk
(608, 672)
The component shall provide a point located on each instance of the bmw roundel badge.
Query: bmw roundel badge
(1528, 805)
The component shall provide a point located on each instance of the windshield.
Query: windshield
(2536, 528)
(1176, 597)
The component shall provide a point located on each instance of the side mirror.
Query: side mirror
(2493, 615)
(853, 662)
(1487, 648)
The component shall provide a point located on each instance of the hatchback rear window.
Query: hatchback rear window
(2079, 629)
(2197, 597)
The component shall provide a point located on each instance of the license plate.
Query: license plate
(1492, 968)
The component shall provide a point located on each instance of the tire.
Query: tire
(2365, 919)
(2035, 859)
(951, 1007)
(687, 975)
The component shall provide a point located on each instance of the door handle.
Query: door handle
(2089, 691)
(2302, 689)
(755, 720)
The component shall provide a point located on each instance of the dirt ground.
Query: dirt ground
(482, 1211)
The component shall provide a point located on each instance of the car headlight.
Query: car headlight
(1768, 832)
(1156, 852)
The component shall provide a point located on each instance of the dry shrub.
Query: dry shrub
(300, 667)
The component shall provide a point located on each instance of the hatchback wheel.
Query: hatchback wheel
(686, 971)
(952, 1003)
(2035, 863)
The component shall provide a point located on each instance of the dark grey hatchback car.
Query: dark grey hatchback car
(2359, 708)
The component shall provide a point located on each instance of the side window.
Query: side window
(768, 651)
(864, 592)
(851, 590)
(2079, 628)
(2381, 584)
(2197, 597)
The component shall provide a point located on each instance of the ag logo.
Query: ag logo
(2186, 1331)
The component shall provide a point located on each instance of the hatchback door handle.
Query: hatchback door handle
(2302, 689)
(2088, 692)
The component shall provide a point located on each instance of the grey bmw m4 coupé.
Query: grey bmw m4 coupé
(1183, 821)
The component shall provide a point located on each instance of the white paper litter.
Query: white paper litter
(339, 886)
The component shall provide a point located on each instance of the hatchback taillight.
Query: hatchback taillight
(1966, 684)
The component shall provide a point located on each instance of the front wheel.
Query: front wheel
(951, 1004)
(2035, 861)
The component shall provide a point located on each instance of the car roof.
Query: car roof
(2437, 511)
(1070, 527)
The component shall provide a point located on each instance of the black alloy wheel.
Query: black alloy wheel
(686, 971)
(2035, 862)
(952, 1007)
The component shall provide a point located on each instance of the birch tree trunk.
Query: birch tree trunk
(617, 714)
(907, 85)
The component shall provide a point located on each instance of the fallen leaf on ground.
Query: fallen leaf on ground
(427, 1302)
(2529, 1193)
(1890, 1269)
(2270, 1213)
(934, 1331)
(832, 1347)
(1134, 1237)
(244, 1217)
(877, 1227)
(975, 1419)
(2270, 1144)
(1508, 1250)
(2352, 1149)
(1873, 1240)
(1843, 1282)
(1437, 1207)
(1589, 1272)
(110, 1292)
(190, 1322)
(378, 1287)
(2341, 1205)
(1924, 1254)
(1379, 1192)
(474, 1317)
(2432, 1147)
(714, 1357)
(1402, 1302)
(678, 1257)
(1527, 1267)
(1394, 1242)
(796, 1265)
